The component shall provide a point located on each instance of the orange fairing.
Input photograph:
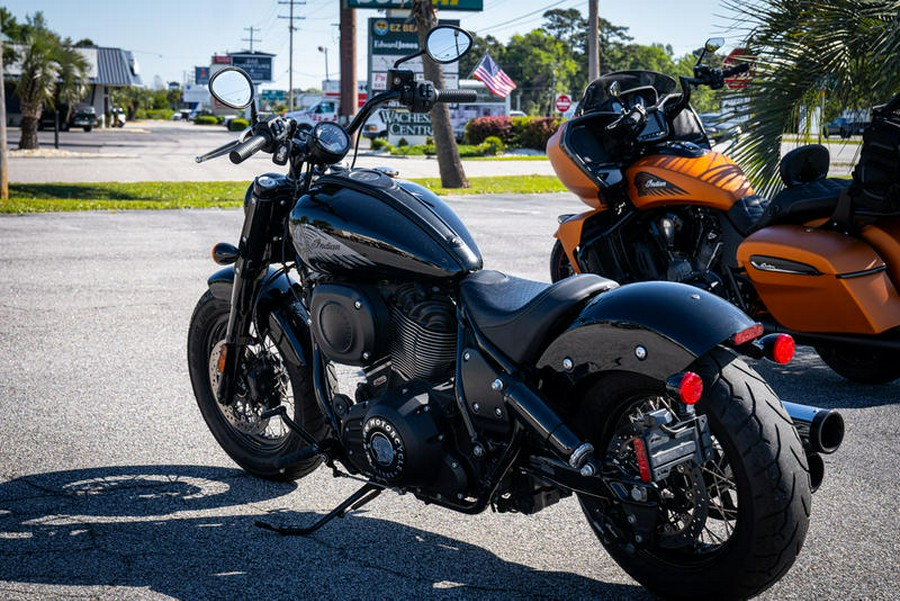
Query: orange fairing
(884, 236)
(820, 281)
(569, 235)
(568, 171)
(711, 180)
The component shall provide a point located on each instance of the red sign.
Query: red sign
(563, 103)
(736, 57)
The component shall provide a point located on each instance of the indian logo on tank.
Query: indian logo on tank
(648, 184)
(315, 245)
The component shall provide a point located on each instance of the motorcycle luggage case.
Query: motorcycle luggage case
(814, 280)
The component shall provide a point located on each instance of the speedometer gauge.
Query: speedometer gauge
(329, 143)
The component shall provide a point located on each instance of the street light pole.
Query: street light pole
(325, 50)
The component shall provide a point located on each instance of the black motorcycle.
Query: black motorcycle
(478, 389)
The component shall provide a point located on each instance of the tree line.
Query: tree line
(552, 60)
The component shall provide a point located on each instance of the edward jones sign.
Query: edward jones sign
(471, 5)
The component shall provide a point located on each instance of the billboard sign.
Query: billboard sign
(468, 5)
(201, 75)
(257, 65)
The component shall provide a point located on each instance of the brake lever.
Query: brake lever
(220, 151)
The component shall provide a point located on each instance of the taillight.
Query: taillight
(686, 386)
(778, 348)
(751, 333)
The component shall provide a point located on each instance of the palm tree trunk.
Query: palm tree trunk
(30, 117)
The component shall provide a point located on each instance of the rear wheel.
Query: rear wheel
(728, 528)
(560, 266)
(265, 381)
(861, 364)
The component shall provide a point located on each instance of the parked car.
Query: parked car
(83, 116)
(717, 128)
(375, 126)
(843, 127)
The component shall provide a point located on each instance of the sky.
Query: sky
(169, 38)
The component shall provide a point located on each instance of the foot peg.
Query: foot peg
(354, 501)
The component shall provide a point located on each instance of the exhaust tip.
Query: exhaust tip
(828, 431)
(816, 471)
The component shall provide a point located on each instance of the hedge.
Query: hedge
(238, 125)
(205, 120)
(514, 132)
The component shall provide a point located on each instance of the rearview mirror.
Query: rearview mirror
(447, 44)
(232, 87)
(713, 44)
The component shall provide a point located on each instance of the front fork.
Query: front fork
(263, 221)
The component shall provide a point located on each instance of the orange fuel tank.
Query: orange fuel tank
(710, 179)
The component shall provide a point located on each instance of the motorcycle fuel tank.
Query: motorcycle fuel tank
(365, 223)
(702, 178)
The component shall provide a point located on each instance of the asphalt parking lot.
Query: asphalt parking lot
(111, 487)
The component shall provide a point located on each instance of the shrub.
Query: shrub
(238, 125)
(494, 145)
(402, 142)
(140, 114)
(481, 128)
(380, 144)
(205, 120)
(164, 114)
(537, 132)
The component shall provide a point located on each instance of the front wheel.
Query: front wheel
(560, 266)
(728, 528)
(860, 364)
(265, 381)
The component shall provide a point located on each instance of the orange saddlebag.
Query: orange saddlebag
(813, 280)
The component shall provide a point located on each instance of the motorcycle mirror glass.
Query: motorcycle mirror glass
(615, 89)
(447, 44)
(713, 44)
(232, 87)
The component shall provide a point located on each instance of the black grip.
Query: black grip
(736, 69)
(449, 96)
(248, 148)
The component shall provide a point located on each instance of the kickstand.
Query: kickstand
(354, 501)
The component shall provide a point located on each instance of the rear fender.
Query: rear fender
(278, 307)
(652, 328)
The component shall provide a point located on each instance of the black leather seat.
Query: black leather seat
(515, 314)
(798, 204)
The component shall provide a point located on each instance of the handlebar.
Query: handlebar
(741, 68)
(245, 150)
(451, 96)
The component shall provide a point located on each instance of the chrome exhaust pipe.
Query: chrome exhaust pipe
(821, 430)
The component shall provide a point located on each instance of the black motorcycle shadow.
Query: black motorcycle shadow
(187, 532)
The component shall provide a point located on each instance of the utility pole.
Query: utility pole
(593, 40)
(349, 89)
(251, 29)
(291, 30)
(4, 152)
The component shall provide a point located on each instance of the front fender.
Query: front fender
(652, 328)
(279, 307)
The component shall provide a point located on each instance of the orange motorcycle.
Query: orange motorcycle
(820, 260)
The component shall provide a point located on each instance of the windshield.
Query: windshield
(598, 98)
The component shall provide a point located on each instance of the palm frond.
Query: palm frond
(807, 48)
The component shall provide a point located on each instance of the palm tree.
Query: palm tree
(805, 49)
(52, 73)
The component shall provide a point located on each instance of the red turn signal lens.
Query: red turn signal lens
(640, 453)
(779, 348)
(688, 386)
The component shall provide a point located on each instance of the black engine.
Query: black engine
(403, 336)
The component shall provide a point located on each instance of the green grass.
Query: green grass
(115, 196)
(518, 157)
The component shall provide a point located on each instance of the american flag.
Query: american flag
(493, 77)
